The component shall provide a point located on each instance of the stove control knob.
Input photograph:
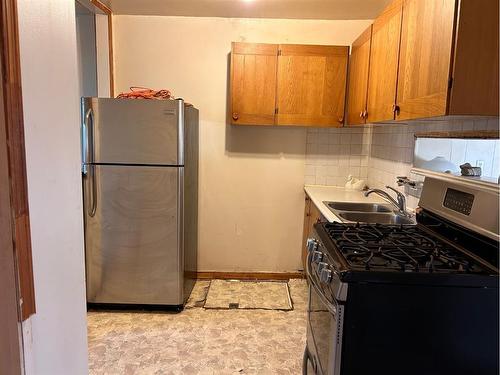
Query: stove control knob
(311, 244)
(317, 256)
(322, 266)
(325, 276)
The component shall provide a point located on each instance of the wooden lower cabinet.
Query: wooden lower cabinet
(311, 216)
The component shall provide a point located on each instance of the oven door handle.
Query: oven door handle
(329, 305)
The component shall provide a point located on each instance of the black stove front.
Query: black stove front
(411, 301)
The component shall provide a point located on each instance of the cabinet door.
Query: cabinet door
(425, 57)
(253, 83)
(359, 63)
(384, 63)
(311, 85)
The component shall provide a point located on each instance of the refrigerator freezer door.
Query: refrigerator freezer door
(133, 235)
(141, 132)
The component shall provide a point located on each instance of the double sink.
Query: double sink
(367, 213)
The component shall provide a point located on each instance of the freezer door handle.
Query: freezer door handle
(87, 140)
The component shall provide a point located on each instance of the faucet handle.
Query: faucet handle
(401, 199)
(403, 180)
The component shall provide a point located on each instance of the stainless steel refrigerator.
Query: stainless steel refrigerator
(140, 193)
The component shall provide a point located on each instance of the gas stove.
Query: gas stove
(405, 248)
(427, 293)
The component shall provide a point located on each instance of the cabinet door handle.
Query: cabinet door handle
(341, 119)
(235, 116)
(396, 109)
(365, 114)
(361, 114)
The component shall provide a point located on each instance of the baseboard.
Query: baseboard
(250, 275)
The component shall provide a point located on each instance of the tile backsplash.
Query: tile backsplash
(377, 153)
(333, 154)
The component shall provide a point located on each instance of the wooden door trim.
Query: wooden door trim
(14, 129)
(10, 358)
(10, 312)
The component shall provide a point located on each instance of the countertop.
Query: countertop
(319, 194)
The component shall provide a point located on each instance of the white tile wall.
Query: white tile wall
(333, 154)
(378, 153)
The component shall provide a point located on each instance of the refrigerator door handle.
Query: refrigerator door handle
(93, 191)
(88, 169)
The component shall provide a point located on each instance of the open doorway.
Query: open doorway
(94, 48)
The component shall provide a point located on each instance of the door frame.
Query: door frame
(16, 269)
(99, 8)
(10, 356)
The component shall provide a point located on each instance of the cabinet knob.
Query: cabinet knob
(341, 119)
(235, 116)
(361, 114)
(395, 109)
(365, 114)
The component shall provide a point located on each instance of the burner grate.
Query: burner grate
(396, 247)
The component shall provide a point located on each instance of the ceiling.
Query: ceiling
(300, 9)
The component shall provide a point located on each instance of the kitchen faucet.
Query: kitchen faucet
(401, 199)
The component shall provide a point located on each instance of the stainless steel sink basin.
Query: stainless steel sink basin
(374, 217)
(358, 207)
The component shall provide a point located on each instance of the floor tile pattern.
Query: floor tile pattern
(200, 341)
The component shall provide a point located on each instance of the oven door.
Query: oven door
(325, 319)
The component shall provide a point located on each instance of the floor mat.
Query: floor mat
(235, 294)
(198, 294)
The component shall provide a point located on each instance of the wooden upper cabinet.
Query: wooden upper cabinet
(311, 85)
(449, 59)
(474, 85)
(253, 83)
(425, 58)
(384, 57)
(359, 64)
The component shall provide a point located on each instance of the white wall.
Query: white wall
(251, 178)
(55, 338)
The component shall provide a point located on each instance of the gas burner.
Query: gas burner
(396, 247)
